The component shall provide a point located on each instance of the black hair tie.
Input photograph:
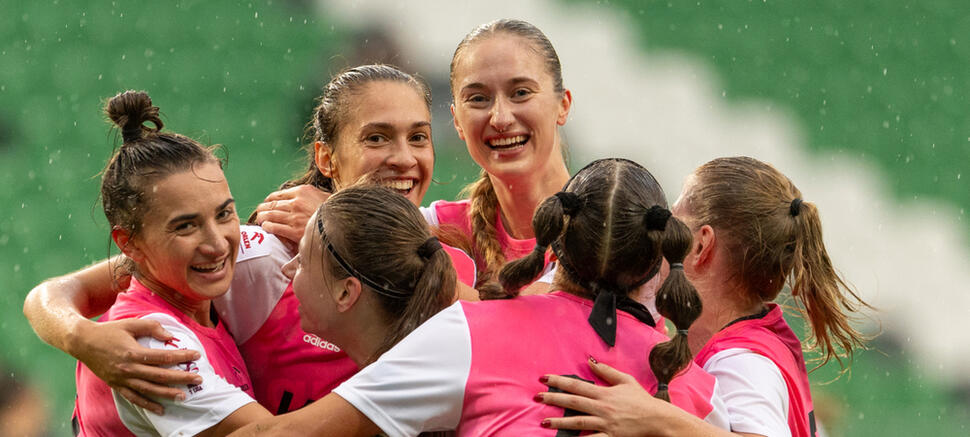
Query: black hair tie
(570, 202)
(795, 207)
(540, 249)
(429, 247)
(662, 386)
(656, 218)
(675, 266)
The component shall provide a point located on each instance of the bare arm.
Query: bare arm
(330, 416)
(58, 310)
(623, 409)
(246, 414)
(285, 213)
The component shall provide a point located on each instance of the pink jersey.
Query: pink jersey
(95, 411)
(551, 336)
(475, 367)
(291, 368)
(464, 265)
(771, 337)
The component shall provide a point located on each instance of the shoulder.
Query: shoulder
(452, 212)
(753, 389)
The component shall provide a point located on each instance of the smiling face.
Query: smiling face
(506, 108)
(385, 133)
(189, 234)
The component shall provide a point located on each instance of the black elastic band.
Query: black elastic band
(758, 315)
(675, 266)
(570, 202)
(429, 247)
(656, 218)
(795, 207)
(383, 289)
(662, 386)
(682, 331)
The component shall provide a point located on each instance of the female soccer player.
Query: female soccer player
(474, 366)
(172, 214)
(371, 121)
(753, 233)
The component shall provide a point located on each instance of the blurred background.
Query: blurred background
(863, 104)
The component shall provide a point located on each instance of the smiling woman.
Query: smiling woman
(172, 215)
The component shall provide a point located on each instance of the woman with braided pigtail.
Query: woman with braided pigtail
(753, 236)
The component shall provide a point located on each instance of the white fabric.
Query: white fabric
(205, 405)
(718, 416)
(257, 284)
(420, 383)
(430, 213)
(753, 390)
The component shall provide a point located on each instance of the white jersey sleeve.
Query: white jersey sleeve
(418, 385)
(205, 405)
(753, 391)
(257, 283)
(430, 213)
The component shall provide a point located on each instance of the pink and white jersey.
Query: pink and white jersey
(475, 367)
(289, 367)
(224, 389)
(770, 337)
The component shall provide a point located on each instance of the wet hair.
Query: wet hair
(759, 214)
(611, 230)
(384, 240)
(483, 211)
(146, 155)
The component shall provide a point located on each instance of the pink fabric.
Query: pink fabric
(95, 409)
(516, 341)
(771, 337)
(291, 368)
(464, 265)
(456, 214)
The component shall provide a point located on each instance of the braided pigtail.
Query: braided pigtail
(549, 222)
(678, 301)
(483, 212)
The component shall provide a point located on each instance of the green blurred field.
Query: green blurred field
(245, 77)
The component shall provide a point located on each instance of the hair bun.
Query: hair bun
(129, 111)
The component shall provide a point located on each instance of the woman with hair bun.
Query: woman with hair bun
(475, 366)
(172, 215)
(753, 235)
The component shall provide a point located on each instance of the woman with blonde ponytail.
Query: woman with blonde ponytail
(753, 235)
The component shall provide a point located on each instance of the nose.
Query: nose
(216, 243)
(500, 117)
(289, 269)
(402, 156)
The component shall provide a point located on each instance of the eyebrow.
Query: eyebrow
(191, 216)
(387, 126)
(512, 81)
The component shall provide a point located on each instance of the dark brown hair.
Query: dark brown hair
(776, 240)
(147, 155)
(483, 211)
(611, 239)
(379, 233)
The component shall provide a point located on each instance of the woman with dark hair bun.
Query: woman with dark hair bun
(754, 234)
(475, 366)
(172, 215)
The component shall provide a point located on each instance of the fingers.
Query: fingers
(569, 401)
(285, 205)
(140, 400)
(583, 423)
(143, 328)
(571, 385)
(611, 375)
(159, 357)
(275, 216)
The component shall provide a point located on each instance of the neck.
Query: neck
(518, 197)
(197, 310)
(362, 342)
(721, 306)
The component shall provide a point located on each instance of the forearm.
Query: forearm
(58, 309)
(677, 422)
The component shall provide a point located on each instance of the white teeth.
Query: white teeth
(209, 267)
(502, 142)
(398, 184)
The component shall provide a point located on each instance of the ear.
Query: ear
(347, 293)
(323, 158)
(703, 247)
(461, 133)
(564, 105)
(123, 240)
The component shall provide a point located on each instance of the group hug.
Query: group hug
(543, 303)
